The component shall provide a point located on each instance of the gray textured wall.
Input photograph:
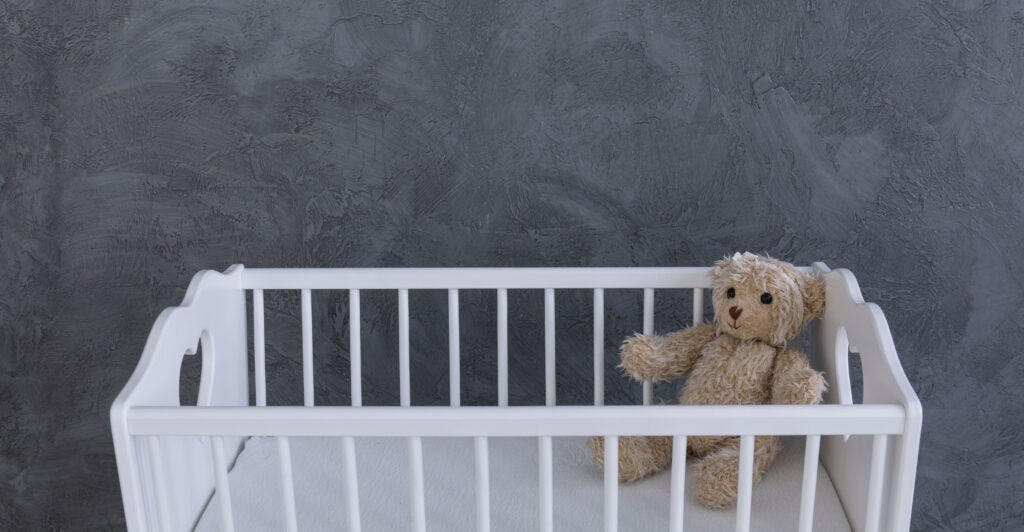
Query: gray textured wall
(140, 142)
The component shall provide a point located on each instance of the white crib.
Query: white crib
(185, 466)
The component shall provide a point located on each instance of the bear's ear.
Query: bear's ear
(724, 264)
(812, 290)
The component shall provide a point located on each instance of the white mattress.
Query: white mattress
(449, 480)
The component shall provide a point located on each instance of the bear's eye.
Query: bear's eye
(730, 293)
(766, 298)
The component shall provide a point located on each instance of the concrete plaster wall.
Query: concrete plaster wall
(142, 141)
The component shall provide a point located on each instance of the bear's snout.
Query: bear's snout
(735, 312)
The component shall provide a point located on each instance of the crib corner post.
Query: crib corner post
(127, 460)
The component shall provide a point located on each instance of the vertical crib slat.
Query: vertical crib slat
(598, 346)
(502, 347)
(220, 472)
(403, 346)
(698, 306)
(348, 457)
(159, 482)
(454, 389)
(677, 497)
(483, 486)
(259, 352)
(549, 346)
(307, 347)
(416, 492)
(810, 482)
(355, 342)
(611, 483)
(547, 508)
(284, 458)
(746, 478)
(874, 510)
(648, 330)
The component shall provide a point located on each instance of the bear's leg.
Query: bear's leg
(639, 456)
(705, 445)
(717, 479)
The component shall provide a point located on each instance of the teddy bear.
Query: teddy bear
(760, 304)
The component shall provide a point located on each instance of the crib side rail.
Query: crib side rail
(501, 280)
(494, 421)
(876, 422)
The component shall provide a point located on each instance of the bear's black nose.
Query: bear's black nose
(735, 312)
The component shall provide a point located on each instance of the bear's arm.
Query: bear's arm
(662, 358)
(795, 382)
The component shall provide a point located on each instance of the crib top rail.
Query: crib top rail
(474, 278)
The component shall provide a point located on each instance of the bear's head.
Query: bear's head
(760, 298)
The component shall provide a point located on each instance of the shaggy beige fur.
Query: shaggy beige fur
(760, 304)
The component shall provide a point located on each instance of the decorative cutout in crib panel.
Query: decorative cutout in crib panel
(194, 388)
(856, 378)
(850, 373)
(188, 379)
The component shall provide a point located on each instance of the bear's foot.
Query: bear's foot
(716, 479)
(639, 456)
(716, 482)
